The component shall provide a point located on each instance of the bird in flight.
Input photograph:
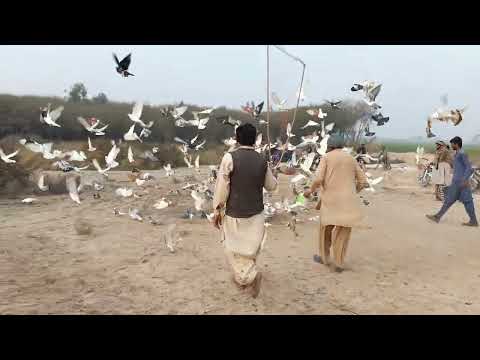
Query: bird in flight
(122, 66)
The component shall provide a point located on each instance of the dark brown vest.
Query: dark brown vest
(246, 184)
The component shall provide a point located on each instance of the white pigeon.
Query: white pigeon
(90, 147)
(7, 158)
(322, 150)
(124, 192)
(168, 170)
(373, 182)
(145, 133)
(372, 104)
(137, 113)
(53, 116)
(197, 163)
(289, 131)
(178, 112)
(326, 129)
(258, 140)
(130, 155)
(112, 155)
(200, 146)
(41, 183)
(140, 182)
(187, 161)
(99, 169)
(200, 201)
(200, 123)
(171, 237)
(76, 156)
(207, 111)
(311, 123)
(318, 113)
(298, 178)
(131, 135)
(72, 189)
(231, 142)
(419, 154)
(92, 128)
(161, 204)
(155, 149)
(278, 102)
(307, 164)
(194, 139)
(29, 200)
(135, 214)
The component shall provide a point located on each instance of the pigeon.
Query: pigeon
(124, 192)
(188, 162)
(289, 131)
(122, 66)
(64, 166)
(318, 113)
(372, 104)
(97, 186)
(207, 111)
(92, 128)
(131, 135)
(161, 204)
(29, 200)
(51, 117)
(168, 170)
(90, 147)
(41, 183)
(76, 156)
(334, 104)
(372, 182)
(278, 102)
(99, 169)
(197, 163)
(200, 146)
(228, 120)
(135, 214)
(428, 129)
(171, 237)
(380, 119)
(8, 158)
(112, 155)
(178, 112)
(200, 201)
(322, 150)
(145, 133)
(326, 129)
(130, 155)
(310, 123)
(72, 189)
(137, 113)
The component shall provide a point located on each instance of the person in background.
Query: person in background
(459, 189)
(239, 195)
(442, 169)
(339, 178)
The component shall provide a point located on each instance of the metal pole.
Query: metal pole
(268, 104)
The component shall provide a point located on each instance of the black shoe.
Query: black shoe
(318, 259)
(433, 218)
(475, 224)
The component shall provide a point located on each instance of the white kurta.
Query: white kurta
(442, 176)
(243, 238)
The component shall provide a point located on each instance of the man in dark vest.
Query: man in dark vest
(238, 206)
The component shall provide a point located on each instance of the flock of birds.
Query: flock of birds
(304, 156)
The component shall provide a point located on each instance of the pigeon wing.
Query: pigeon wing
(116, 59)
(55, 114)
(83, 122)
(137, 110)
(125, 63)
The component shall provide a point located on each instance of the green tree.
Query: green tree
(78, 93)
(101, 98)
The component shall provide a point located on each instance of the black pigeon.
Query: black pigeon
(356, 87)
(122, 66)
(227, 120)
(258, 110)
(334, 104)
(380, 119)
(368, 133)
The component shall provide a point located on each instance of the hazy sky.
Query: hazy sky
(413, 77)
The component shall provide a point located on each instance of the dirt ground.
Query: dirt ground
(397, 263)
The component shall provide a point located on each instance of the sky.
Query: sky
(413, 77)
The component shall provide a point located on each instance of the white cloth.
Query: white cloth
(442, 176)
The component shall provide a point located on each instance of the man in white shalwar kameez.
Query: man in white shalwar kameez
(238, 206)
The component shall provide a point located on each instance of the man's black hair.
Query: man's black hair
(457, 140)
(246, 134)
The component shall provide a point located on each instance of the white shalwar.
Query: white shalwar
(243, 238)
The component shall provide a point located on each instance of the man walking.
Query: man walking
(239, 194)
(459, 190)
(339, 178)
(442, 171)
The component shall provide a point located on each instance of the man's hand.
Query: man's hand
(307, 193)
(217, 220)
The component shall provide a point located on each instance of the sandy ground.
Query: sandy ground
(398, 263)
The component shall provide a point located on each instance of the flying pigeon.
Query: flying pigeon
(72, 189)
(51, 117)
(122, 66)
(311, 123)
(380, 119)
(92, 128)
(334, 104)
(130, 155)
(228, 120)
(8, 158)
(131, 135)
(124, 192)
(41, 183)
(135, 214)
(168, 170)
(99, 169)
(90, 147)
(137, 113)
(278, 102)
